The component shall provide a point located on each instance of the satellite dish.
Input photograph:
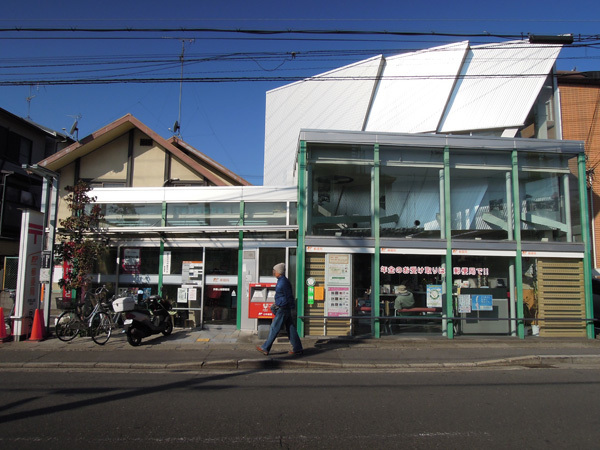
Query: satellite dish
(176, 127)
(74, 127)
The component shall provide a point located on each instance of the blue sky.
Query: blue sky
(225, 120)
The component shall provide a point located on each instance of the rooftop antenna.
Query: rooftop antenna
(75, 127)
(177, 125)
(31, 97)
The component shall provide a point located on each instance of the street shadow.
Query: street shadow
(112, 394)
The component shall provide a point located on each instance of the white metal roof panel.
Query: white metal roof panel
(498, 85)
(415, 88)
(334, 100)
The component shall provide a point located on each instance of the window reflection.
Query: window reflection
(132, 215)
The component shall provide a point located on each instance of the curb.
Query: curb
(299, 364)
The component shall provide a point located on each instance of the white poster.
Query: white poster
(464, 304)
(434, 295)
(182, 295)
(30, 260)
(337, 302)
(337, 269)
(167, 263)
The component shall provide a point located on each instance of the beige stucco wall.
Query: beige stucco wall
(148, 165)
(181, 171)
(107, 163)
(67, 178)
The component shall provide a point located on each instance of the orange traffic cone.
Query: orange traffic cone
(37, 330)
(3, 334)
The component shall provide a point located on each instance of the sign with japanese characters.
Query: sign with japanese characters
(27, 293)
(132, 260)
(464, 304)
(337, 303)
(481, 303)
(337, 269)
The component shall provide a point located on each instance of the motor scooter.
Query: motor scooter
(148, 318)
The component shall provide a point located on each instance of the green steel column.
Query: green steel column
(585, 231)
(163, 223)
(448, 231)
(517, 231)
(376, 234)
(240, 282)
(301, 250)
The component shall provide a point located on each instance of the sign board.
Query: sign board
(192, 272)
(182, 295)
(132, 260)
(464, 303)
(30, 260)
(222, 280)
(481, 303)
(167, 263)
(434, 295)
(338, 302)
(45, 266)
(337, 270)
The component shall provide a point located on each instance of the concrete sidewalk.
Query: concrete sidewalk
(225, 348)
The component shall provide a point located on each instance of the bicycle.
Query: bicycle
(26, 321)
(100, 294)
(73, 322)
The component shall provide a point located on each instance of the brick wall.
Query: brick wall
(580, 110)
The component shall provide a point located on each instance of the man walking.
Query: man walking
(284, 303)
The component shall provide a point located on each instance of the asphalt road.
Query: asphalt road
(518, 408)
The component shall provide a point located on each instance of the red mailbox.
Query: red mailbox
(261, 297)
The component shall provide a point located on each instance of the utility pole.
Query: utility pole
(177, 126)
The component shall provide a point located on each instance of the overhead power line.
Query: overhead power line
(253, 31)
(57, 82)
(264, 32)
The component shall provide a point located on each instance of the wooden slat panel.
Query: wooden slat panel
(315, 268)
(561, 295)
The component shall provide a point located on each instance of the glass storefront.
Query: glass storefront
(341, 190)
(549, 205)
(410, 294)
(481, 294)
(220, 291)
(409, 192)
(480, 195)
(341, 200)
(455, 219)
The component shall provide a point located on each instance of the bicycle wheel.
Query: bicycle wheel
(100, 328)
(67, 326)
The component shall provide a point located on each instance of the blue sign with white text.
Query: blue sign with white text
(481, 303)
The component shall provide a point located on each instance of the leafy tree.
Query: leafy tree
(80, 240)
